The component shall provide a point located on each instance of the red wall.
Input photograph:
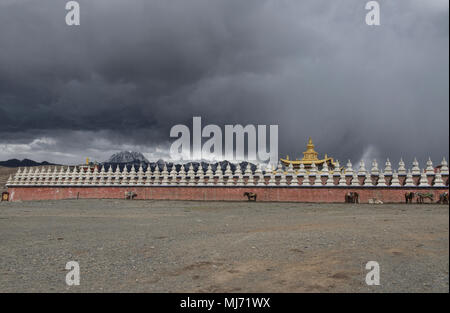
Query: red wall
(290, 194)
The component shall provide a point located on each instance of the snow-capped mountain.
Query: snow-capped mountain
(127, 157)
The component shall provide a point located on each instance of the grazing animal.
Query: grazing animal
(5, 196)
(421, 196)
(409, 196)
(443, 198)
(375, 201)
(129, 195)
(251, 196)
(351, 197)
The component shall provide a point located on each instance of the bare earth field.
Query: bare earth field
(175, 246)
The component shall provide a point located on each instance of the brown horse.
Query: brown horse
(443, 198)
(421, 196)
(251, 196)
(5, 196)
(409, 196)
(351, 197)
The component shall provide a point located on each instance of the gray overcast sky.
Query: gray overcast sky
(135, 68)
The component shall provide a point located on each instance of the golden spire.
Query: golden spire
(310, 156)
(310, 153)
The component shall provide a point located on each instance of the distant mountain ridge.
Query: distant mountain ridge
(24, 162)
(136, 159)
(129, 157)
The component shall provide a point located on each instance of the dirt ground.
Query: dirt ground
(177, 246)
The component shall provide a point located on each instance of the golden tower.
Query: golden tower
(310, 156)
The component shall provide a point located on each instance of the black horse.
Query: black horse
(351, 197)
(409, 196)
(250, 196)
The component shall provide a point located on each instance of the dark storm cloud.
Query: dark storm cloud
(133, 69)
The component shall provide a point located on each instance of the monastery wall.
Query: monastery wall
(232, 193)
(280, 184)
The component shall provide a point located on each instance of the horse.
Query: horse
(443, 198)
(409, 196)
(129, 195)
(351, 197)
(251, 196)
(421, 196)
(5, 196)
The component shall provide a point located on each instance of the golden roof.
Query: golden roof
(310, 156)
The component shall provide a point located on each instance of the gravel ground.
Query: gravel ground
(178, 246)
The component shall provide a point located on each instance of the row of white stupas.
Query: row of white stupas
(72, 176)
